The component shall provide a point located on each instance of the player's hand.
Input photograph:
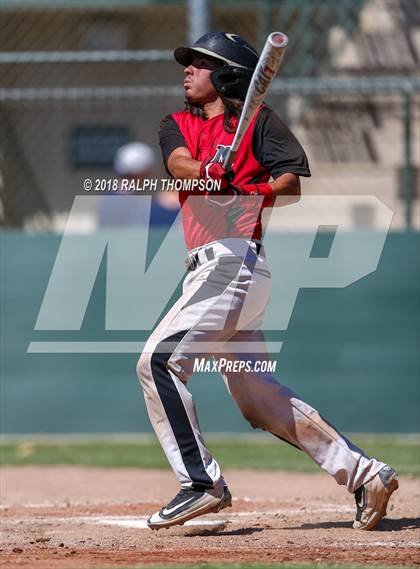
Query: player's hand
(214, 171)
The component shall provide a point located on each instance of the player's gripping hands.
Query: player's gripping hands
(214, 171)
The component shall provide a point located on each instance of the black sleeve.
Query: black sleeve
(276, 147)
(170, 137)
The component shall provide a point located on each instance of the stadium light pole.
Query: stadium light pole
(408, 167)
(199, 19)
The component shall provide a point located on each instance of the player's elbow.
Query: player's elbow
(293, 187)
(286, 190)
(294, 193)
(287, 184)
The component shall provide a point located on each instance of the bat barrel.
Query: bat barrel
(266, 69)
(278, 39)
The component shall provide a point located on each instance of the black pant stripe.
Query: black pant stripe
(286, 441)
(177, 416)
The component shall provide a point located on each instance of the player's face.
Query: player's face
(197, 83)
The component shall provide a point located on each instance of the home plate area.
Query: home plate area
(65, 517)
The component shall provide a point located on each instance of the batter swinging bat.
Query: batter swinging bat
(267, 67)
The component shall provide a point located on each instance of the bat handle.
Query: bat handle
(227, 164)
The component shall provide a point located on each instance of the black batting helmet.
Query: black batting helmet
(231, 80)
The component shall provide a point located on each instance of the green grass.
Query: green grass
(264, 454)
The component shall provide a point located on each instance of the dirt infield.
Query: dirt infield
(65, 517)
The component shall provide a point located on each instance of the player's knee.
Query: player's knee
(143, 367)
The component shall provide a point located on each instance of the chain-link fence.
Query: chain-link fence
(79, 79)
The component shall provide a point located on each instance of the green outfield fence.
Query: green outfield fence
(351, 352)
(348, 87)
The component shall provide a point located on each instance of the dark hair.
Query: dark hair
(195, 110)
(233, 109)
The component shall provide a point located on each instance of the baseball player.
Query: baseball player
(226, 290)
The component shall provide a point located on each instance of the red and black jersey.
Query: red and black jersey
(268, 148)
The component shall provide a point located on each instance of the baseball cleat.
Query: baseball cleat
(188, 504)
(372, 498)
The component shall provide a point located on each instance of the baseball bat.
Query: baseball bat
(265, 71)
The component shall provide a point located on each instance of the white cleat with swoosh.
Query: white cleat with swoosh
(372, 498)
(190, 503)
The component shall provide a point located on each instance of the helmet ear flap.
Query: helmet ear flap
(231, 82)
